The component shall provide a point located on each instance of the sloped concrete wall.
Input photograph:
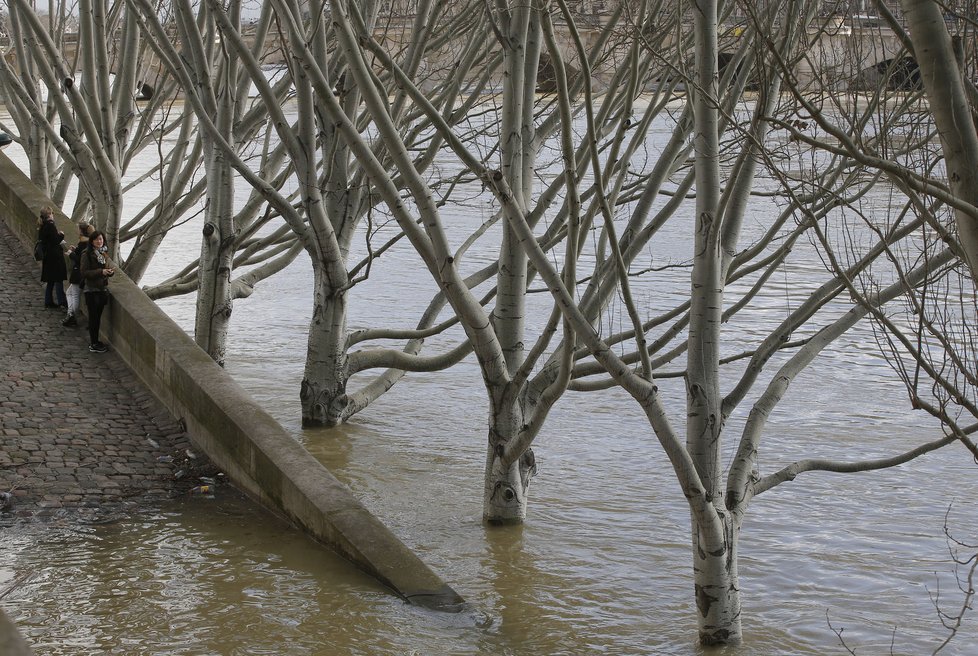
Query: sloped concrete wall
(11, 644)
(225, 423)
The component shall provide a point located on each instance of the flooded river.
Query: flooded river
(601, 566)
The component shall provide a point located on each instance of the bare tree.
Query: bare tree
(93, 101)
(332, 195)
(522, 380)
(719, 497)
(73, 95)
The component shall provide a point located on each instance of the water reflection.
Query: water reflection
(518, 586)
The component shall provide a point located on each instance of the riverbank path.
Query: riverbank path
(77, 429)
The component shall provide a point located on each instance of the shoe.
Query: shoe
(70, 321)
(50, 306)
(98, 347)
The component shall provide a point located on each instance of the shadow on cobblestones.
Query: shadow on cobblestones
(77, 429)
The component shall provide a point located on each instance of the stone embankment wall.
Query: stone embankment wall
(258, 455)
(11, 644)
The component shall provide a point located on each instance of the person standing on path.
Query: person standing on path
(95, 273)
(75, 282)
(53, 269)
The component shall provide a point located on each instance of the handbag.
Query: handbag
(39, 250)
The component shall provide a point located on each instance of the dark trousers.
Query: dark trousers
(52, 288)
(95, 301)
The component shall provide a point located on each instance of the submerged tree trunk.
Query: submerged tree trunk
(715, 578)
(506, 485)
(713, 534)
(323, 390)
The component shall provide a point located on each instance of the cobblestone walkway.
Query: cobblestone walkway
(77, 429)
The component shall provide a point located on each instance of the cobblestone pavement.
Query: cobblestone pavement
(77, 429)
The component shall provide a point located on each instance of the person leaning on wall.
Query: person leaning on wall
(53, 268)
(95, 272)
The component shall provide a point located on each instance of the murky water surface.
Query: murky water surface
(601, 565)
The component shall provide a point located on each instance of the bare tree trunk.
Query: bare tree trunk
(715, 580)
(214, 303)
(506, 484)
(38, 159)
(945, 87)
(213, 309)
(102, 131)
(323, 390)
(714, 552)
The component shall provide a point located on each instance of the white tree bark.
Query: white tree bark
(215, 78)
(945, 86)
(714, 534)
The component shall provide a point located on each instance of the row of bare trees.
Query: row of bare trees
(369, 118)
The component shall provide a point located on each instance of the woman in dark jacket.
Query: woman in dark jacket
(53, 268)
(95, 271)
(75, 283)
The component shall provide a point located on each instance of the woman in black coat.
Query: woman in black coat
(53, 268)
